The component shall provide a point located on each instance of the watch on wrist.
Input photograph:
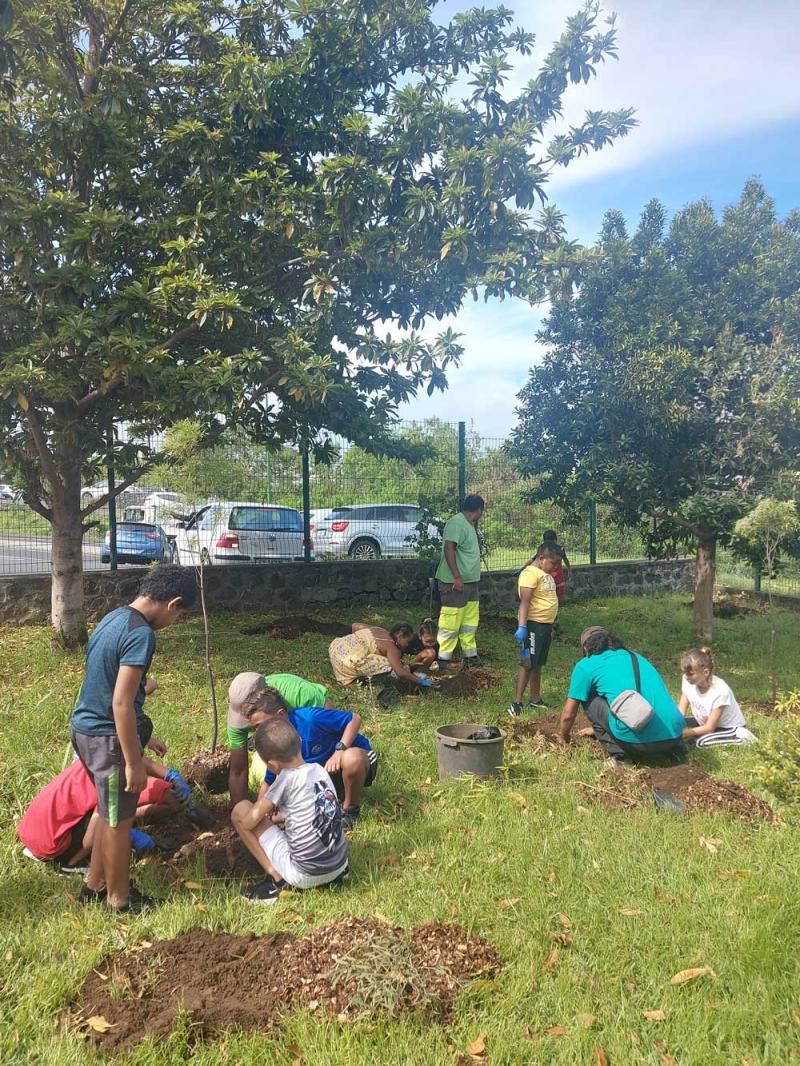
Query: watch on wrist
(340, 746)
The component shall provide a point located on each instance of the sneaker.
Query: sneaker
(29, 855)
(136, 902)
(68, 871)
(537, 705)
(340, 879)
(514, 709)
(473, 660)
(350, 816)
(265, 892)
(91, 895)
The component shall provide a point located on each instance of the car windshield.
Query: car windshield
(266, 520)
(136, 527)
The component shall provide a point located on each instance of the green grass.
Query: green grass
(505, 859)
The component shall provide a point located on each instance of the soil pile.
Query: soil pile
(625, 789)
(547, 726)
(222, 852)
(294, 626)
(208, 770)
(464, 682)
(353, 967)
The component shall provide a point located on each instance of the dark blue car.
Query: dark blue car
(139, 542)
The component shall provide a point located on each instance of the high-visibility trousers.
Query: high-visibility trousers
(458, 620)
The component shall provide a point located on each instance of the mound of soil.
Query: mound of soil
(223, 853)
(547, 726)
(294, 626)
(250, 982)
(465, 682)
(625, 789)
(765, 707)
(208, 770)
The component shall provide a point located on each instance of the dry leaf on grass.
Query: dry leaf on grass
(710, 843)
(565, 922)
(654, 1015)
(668, 1060)
(520, 800)
(629, 912)
(600, 1056)
(550, 961)
(557, 1030)
(504, 904)
(683, 976)
(477, 1048)
(587, 1020)
(192, 884)
(99, 1024)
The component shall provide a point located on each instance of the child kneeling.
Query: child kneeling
(294, 829)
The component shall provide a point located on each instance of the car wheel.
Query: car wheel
(364, 548)
(205, 558)
(176, 559)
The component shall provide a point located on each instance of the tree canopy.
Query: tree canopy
(671, 384)
(213, 209)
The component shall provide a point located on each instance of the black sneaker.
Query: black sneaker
(91, 895)
(68, 871)
(350, 816)
(136, 902)
(265, 892)
(538, 705)
(514, 709)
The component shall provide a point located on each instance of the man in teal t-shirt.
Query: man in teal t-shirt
(606, 671)
(458, 576)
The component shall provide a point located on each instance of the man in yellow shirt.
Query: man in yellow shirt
(538, 607)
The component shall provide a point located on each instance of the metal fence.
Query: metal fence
(241, 499)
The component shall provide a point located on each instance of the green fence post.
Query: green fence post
(306, 505)
(112, 505)
(269, 477)
(462, 464)
(756, 580)
(592, 532)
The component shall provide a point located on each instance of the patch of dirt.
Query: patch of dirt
(465, 682)
(251, 982)
(293, 626)
(208, 770)
(547, 726)
(765, 707)
(625, 789)
(222, 852)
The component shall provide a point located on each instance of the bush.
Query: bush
(779, 767)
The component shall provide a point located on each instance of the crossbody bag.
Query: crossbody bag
(630, 707)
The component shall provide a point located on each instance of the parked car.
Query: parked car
(139, 542)
(165, 509)
(369, 531)
(225, 533)
(317, 515)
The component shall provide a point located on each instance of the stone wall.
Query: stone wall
(291, 587)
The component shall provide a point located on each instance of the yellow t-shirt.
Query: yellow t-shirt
(544, 601)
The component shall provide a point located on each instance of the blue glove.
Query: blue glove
(141, 842)
(521, 634)
(426, 682)
(179, 786)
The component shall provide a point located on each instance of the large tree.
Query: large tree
(671, 384)
(214, 206)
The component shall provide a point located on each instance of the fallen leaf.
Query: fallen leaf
(199, 906)
(550, 961)
(192, 884)
(381, 917)
(563, 938)
(654, 1015)
(99, 1024)
(629, 912)
(689, 975)
(595, 864)
(668, 1060)
(478, 1047)
(565, 922)
(587, 1020)
(582, 810)
(557, 1030)
(600, 1056)
(388, 860)
(520, 800)
(504, 904)
(710, 843)
(551, 877)
(9, 956)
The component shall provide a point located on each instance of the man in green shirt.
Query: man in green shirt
(294, 691)
(458, 576)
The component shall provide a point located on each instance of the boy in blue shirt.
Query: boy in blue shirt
(328, 736)
(109, 724)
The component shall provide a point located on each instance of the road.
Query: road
(31, 555)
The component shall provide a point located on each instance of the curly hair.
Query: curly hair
(165, 583)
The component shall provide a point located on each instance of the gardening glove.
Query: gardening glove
(521, 634)
(179, 785)
(141, 842)
(425, 682)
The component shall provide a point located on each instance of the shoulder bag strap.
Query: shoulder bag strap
(636, 678)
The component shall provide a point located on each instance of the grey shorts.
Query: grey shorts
(105, 764)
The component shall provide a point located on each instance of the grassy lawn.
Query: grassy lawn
(517, 862)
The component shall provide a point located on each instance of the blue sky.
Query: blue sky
(717, 92)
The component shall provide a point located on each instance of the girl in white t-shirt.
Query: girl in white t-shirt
(716, 717)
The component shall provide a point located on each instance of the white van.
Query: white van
(165, 509)
(230, 532)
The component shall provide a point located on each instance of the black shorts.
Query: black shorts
(537, 642)
(372, 773)
(102, 756)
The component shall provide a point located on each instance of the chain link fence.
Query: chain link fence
(240, 501)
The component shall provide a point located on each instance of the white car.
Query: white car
(165, 509)
(370, 531)
(225, 533)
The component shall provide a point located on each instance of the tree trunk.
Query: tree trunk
(66, 597)
(704, 574)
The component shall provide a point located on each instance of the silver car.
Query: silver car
(226, 533)
(369, 531)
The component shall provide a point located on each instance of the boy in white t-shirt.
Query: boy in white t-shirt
(716, 716)
(294, 829)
